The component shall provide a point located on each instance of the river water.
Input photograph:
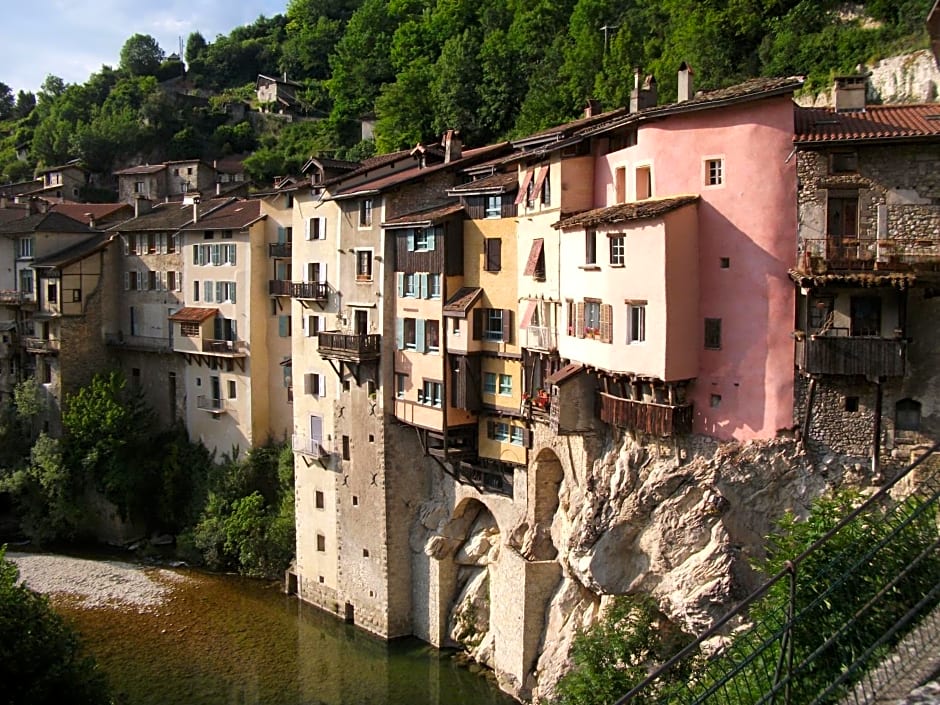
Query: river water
(207, 639)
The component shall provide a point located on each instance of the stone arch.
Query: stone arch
(545, 476)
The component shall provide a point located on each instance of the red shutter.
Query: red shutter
(535, 254)
(520, 197)
(537, 188)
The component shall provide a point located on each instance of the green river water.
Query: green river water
(221, 639)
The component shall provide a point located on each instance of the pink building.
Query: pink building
(675, 286)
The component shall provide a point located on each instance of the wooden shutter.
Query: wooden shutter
(607, 324)
(423, 286)
(478, 315)
(401, 284)
(532, 267)
(520, 197)
(195, 254)
(492, 254)
(419, 335)
(321, 385)
(308, 383)
(399, 333)
(579, 319)
(282, 326)
(526, 438)
(507, 325)
(432, 242)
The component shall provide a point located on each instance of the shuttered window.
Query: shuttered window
(492, 254)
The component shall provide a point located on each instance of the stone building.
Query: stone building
(866, 274)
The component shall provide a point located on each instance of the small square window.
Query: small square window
(844, 162)
(851, 404)
(617, 258)
(505, 385)
(494, 207)
(355, 500)
(365, 553)
(715, 401)
(714, 172)
(713, 334)
(371, 438)
(725, 263)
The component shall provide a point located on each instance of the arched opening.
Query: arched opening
(477, 537)
(907, 415)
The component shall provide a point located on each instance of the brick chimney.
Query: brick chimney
(453, 146)
(849, 93)
(592, 108)
(644, 96)
(686, 91)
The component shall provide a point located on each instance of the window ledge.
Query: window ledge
(590, 267)
(618, 266)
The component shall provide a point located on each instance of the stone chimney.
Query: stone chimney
(592, 108)
(686, 91)
(453, 146)
(196, 209)
(644, 96)
(849, 93)
(90, 217)
(141, 205)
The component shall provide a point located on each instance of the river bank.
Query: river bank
(181, 635)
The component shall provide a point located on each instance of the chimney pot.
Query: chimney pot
(850, 93)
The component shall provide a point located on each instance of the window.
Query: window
(636, 323)
(851, 404)
(724, 262)
(189, 330)
(365, 213)
(489, 382)
(820, 312)
(346, 448)
(26, 281)
(432, 334)
(620, 184)
(196, 288)
(224, 292)
(644, 183)
(842, 217)
(494, 207)
(153, 280)
(138, 187)
(843, 162)
(431, 393)
(499, 431)
(321, 543)
(424, 240)
(492, 254)
(24, 249)
(314, 325)
(494, 324)
(315, 384)
(76, 295)
(516, 435)
(505, 385)
(316, 229)
(409, 287)
(714, 401)
(173, 283)
(434, 286)
(714, 172)
(400, 382)
(907, 415)
(713, 334)
(410, 341)
(363, 265)
(318, 499)
(546, 189)
(283, 326)
(232, 388)
(592, 319)
(866, 316)
(590, 247)
(52, 293)
(617, 250)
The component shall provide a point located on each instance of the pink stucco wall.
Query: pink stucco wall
(749, 219)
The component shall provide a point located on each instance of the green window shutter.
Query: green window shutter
(281, 235)
(282, 326)
(431, 237)
(401, 284)
(399, 334)
(419, 335)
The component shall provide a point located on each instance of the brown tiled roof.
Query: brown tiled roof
(458, 304)
(141, 169)
(899, 280)
(20, 187)
(495, 183)
(168, 216)
(426, 217)
(45, 222)
(624, 212)
(74, 253)
(752, 88)
(569, 128)
(98, 211)
(232, 216)
(192, 314)
(565, 373)
(876, 122)
(9, 214)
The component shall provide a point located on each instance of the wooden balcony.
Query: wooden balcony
(647, 417)
(349, 347)
(311, 291)
(822, 255)
(223, 347)
(10, 297)
(280, 250)
(835, 355)
(280, 287)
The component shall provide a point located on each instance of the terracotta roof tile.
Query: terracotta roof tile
(98, 211)
(565, 373)
(232, 216)
(624, 212)
(192, 314)
(495, 183)
(45, 222)
(167, 216)
(876, 122)
(429, 216)
(141, 169)
(458, 304)
(74, 253)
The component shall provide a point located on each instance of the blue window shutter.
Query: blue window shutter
(400, 334)
(281, 234)
(401, 284)
(419, 335)
(411, 240)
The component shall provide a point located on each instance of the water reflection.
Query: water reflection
(221, 639)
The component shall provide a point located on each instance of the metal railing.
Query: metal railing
(309, 446)
(207, 403)
(229, 347)
(823, 624)
(870, 253)
(41, 344)
(279, 249)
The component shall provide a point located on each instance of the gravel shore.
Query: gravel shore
(96, 584)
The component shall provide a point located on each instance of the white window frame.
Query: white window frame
(713, 171)
(618, 250)
(636, 323)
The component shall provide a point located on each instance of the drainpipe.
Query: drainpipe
(808, 412)
(876, 440)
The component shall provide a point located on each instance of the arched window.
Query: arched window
(907, 415)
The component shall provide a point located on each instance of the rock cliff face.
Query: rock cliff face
(636, 520)
(909, 78)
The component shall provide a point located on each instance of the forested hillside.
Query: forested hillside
(491, 68)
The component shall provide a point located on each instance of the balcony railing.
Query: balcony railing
(41, 345)
(864, 254)
(648, 417)
(345, 346)
(314, 291)
(280, 287)
(225, 347)
(832, 355)
(540, 338)
(309, 446)
(207, 403)
(8, 296)
(279, 249)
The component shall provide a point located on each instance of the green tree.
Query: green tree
(25, 102)
(141, 55)
(42, 659)
(7, 101)
(195, 46)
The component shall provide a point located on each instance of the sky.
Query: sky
(72, 39)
